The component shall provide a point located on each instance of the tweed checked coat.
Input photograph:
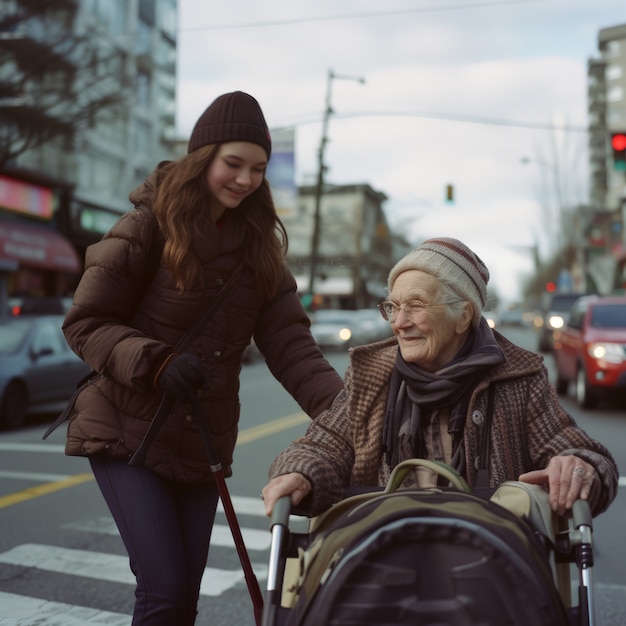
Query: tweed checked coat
(343, 446)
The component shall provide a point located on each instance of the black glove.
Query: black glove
(183, 377)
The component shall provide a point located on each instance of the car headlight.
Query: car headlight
(608, 352)
(345, 334)
(556, 321)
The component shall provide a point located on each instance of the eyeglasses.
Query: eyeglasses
(414, 309)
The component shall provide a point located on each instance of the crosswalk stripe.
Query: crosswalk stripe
(26, 611)
(36, 476)
(109, 567)
(245, 505)
(221, 536)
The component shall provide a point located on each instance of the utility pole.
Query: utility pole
(319, 190)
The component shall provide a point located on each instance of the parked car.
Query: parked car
(590, 350)
(512, 317)
(38, 370)
(493, 319)
(336, 329)
(43, 305)
(372, 325)
(554, 317)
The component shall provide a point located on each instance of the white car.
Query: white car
(336, 329)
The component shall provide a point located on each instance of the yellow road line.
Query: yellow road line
(42, 490)
(245, 436)
(269, 428)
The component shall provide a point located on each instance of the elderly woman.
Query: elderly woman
(436, 390)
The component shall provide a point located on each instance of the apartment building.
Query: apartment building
(57, 59)
(607, 115)
(605, 238)
(354, 246)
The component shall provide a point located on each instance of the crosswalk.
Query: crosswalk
(21, 610)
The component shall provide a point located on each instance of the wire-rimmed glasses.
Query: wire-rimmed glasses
(414, 309)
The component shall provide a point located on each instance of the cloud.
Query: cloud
(441, 78)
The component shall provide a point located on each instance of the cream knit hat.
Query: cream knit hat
(452, 261)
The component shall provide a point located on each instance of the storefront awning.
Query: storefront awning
(32, 246)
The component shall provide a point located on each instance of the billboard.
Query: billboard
(281, 172)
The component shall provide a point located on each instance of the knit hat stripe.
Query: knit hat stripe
(469, 257)
(450, 261)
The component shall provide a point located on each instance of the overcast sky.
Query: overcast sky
(456, 92)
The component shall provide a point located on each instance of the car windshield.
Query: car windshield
(330, 316)
(12, 335)
(609, 316)
(564, 303)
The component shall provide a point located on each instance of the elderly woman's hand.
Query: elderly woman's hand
(294, 485)
(568, 478)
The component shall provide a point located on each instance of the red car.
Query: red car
(591, 350)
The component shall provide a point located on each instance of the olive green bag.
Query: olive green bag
(424, 556)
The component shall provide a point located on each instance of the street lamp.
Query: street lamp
(320, 174)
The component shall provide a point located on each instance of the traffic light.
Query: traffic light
(618, 143)
(449, 194)
(551, 287)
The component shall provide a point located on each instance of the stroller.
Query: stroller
(433, 557)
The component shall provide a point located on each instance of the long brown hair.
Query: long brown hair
(182, 211)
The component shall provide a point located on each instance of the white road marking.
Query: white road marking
(39, 477)
(221, 535)
(8, 446)
(109, 567)
(26, 611)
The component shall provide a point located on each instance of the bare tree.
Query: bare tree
(52, 82)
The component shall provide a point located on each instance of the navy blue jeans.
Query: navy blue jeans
(166, 529)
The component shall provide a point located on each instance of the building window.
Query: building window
(143, 89)
(142, 137)
(614, 72)
(615, 94)
(143, 42)
(147, 12)
(612, 49)
(167, 19)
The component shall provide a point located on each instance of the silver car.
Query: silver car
(38, 370)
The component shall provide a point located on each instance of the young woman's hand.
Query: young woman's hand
(184, 377)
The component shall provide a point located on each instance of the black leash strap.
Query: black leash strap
(165, 406)
(166, 402)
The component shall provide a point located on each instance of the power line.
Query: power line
(450, 118)
(352, 16)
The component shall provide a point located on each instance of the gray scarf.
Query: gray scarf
(413, 389)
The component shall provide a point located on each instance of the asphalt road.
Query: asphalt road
(62, 562)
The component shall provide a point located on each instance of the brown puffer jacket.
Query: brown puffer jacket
(125, 331)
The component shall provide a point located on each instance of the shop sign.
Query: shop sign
(27, 199)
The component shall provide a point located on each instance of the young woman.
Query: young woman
(210, 218)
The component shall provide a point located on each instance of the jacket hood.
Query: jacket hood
(144, 193)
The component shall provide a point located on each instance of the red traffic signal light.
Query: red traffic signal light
(551, 287)
(618, 143)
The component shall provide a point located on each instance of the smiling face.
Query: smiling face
(236, 171)
(432, 338)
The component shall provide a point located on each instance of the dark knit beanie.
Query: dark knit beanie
(450, 260)
(234, 116)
